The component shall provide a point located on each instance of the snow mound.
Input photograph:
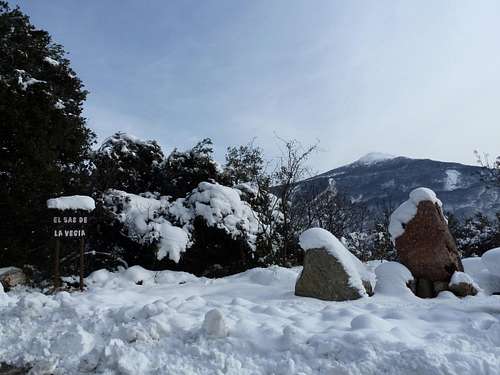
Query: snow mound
(392, 279)
(408, 209)
(491, 260)
(214, 324)
(369, 321)
(476, 268)
(318, 238)
(461, 277)
(159, 329)
(73, 202)
(373, 158)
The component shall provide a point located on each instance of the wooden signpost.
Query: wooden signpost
(69, 222)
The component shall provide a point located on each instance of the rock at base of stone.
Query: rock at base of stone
(425, 288)
(325, 278)
(440, 286)
(463, 289)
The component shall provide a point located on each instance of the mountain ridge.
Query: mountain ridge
(382, 180)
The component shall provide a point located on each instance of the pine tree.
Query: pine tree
(127, 163)
(184, 170)
(44, 142)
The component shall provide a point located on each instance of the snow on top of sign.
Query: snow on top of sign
(407, 210)
(73, 202)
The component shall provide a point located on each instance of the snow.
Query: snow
(461, 277)
(173, 242)
(488, 282)
(163, 326)
(25, 80)
(408, 209)
(51, 61)
(491, 260)
(374, 158)
(222, 207)
(72, 202)
(318, 238)
(214, 324)
(392, 279)
(452, 180)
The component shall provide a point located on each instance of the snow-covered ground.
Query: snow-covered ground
(258, 327)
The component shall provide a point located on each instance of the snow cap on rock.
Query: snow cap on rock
(72, 202)
(408, 209)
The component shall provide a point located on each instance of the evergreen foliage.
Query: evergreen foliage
(44, 143)
(127, 163)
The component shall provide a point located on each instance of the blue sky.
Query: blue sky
(418, 79)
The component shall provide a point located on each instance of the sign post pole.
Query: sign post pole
(57, 276)
(82, 248)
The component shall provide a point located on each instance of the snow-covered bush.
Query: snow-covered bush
(212, 225)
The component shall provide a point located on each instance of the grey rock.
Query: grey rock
(324, 277)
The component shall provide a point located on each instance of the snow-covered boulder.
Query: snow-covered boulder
(12, 276)
(491, 260)
(214, 324)
(462, 285)
(393, 279)
(330, 271)
(423, 241)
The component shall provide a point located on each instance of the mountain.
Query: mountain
(384, 181)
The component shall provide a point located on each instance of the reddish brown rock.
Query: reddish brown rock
(427, 247)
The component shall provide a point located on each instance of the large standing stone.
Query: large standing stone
(330, 271)
(423, 241)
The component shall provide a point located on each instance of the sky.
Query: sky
(416, 79)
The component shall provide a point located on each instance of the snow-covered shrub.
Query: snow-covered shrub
(210, 226)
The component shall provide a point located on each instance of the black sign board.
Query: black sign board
(69, 226)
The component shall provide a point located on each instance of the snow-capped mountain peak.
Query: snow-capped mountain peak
(373, 158)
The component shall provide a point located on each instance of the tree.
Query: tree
(290, 170)
(44, 141)
(476, 234)
(244, 164)
(127, 163)
(491, 169)
(184, 170)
